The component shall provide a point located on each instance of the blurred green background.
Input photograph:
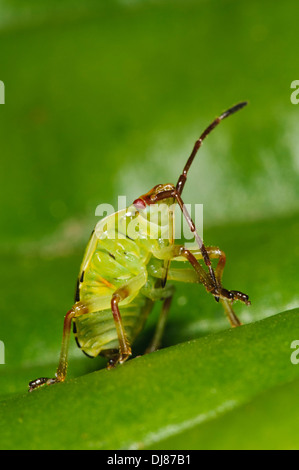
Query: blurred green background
(107, 98)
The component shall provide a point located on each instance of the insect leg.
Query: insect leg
(124, 346)
(130, 289)
(203, 250)
(77, 310)
(205, 256)
(215, 252)
(227, 305)
(180, 253)
(157, 338)
(190, 276)
(206, 279)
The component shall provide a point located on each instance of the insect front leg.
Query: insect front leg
(215, 252)
(184, 275)
(203, 277)
(176, 195)
(77, 310)
(182, 254)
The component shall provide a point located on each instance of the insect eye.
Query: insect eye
(139, 204)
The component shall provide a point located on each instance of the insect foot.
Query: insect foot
(120, 359)
(40, 382)
(232, 295)
(240, 296)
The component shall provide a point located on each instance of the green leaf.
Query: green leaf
(268, 422)
(158, 395)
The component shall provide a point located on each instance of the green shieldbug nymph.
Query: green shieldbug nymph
(124, 272)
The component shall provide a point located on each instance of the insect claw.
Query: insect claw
(40, 382)
(37, 383)
(111, 364)
(243, 297)
(227, 294)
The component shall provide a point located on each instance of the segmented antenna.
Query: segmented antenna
(183, 177)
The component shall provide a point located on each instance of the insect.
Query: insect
(124, 272)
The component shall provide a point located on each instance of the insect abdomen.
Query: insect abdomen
(96, 332)
(110, 267)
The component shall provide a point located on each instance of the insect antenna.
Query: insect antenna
(181, 183)
(183, 177)
(176, 193)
